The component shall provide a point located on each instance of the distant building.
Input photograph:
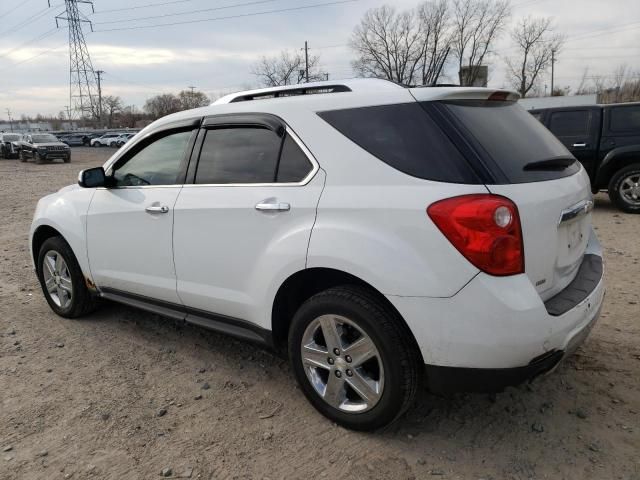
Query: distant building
(533, 103)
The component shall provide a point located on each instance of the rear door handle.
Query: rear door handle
(157, 209)
(274, 207)
(579, 145)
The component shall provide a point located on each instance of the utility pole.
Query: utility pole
(10, 122)
(191, 96)
(553, 61)
(326, 76)
(306, 61)
(99, 78)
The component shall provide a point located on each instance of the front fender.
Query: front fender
(66, 212)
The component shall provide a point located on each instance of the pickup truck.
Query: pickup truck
(606, 140)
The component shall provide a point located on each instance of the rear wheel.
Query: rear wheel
(62, 280)
(354, 358)
(624, 189)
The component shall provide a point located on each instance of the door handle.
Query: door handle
(274, 207)
(157, 209)
(579, 145)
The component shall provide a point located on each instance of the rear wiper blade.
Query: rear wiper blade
(551, 164)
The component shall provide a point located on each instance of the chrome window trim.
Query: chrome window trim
(315, 166)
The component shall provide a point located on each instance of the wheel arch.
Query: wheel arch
(615, 160)
(302, 285)
(40, 235)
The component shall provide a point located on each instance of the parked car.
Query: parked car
(87, 137)
(43, 147)
(73, 140)
(8, 146)
(373, 233)
(121, 139)
(606, 140)
(104, 140)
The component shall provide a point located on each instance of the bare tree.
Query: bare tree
(434, 23)
(535, 43)
(409, 47)
(583, 89)
(110, 106)
(162, 105)
(286, 69)
(477, 24)
(193, 99)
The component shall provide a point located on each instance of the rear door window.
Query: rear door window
(625, 119)
(405, 137)
(573, 123)
(508, 139)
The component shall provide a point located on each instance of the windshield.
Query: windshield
(44, 138)
(10, 137)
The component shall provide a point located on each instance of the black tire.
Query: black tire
(82, 302)
(38, 158)
(615, 185)
(67, 159)
(23, 156)
(398, 353)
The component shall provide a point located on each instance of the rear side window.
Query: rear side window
(570, 124)
(404, 137)
(294, 165)
(238, 155)
(509, 139)
(250, 155)
(624, 119)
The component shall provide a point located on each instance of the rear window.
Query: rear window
(404, 137)
(624, 119)
(508, 138)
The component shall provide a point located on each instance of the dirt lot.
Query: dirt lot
(125, 394)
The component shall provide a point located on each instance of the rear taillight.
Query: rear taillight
(485, 229)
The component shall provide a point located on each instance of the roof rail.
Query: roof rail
(352, 85)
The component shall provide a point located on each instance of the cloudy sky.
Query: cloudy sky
(215, 55)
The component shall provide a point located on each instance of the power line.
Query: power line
(20, 25)
(142, 6)
(244, 4)
(244, 15)
(39, 37)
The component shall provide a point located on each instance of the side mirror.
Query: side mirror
(92, 178)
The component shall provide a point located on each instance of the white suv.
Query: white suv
(105, 140)
(374, 233)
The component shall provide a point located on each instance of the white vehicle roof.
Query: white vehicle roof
(330, 95)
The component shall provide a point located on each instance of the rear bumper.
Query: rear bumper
(499, 325)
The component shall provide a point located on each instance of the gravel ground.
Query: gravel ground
(126, 394)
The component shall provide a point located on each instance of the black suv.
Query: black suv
(8, 146)
(606, 140)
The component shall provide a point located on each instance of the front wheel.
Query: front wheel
(23, 156)
(624, 189)
(62, 280)
(67, 159)
(354, 358)
(38, 158)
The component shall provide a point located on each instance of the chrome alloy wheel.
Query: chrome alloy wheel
(630, 189)
(57, 279)
(342, 363)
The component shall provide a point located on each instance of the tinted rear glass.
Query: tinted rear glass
(508, 138)
(405, 137)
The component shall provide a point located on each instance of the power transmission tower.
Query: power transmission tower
(83, 86)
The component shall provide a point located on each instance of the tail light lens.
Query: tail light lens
(485, 229)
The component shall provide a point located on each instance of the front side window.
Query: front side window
(238, 155)
(158, 163)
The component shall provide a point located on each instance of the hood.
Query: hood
(69, 188)
(50, 144)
